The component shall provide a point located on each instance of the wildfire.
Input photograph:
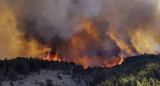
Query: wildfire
(84, 61)
(82, 42)
(50, 58)
(90, 40)
(121, 60)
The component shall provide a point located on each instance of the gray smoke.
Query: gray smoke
(53, 18)
(58, 18)
(54, 22)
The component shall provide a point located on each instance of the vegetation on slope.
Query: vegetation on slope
(142, 70)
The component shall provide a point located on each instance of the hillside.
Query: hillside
(142, 70)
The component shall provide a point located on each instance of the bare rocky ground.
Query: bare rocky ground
(47, 78)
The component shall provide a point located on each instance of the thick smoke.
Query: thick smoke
(57, 18)
(102, 29)
(53, 18)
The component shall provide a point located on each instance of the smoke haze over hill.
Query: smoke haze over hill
(89, 32)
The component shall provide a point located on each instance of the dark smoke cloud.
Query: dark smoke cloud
(53, 22)
(52, 18)
(47, 19)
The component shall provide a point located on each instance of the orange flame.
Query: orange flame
(80, 41)
(121, 61)
(50, 58)
(84, 61)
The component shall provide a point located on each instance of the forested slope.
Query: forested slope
(142, 70)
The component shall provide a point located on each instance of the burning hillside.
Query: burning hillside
(87, 32)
